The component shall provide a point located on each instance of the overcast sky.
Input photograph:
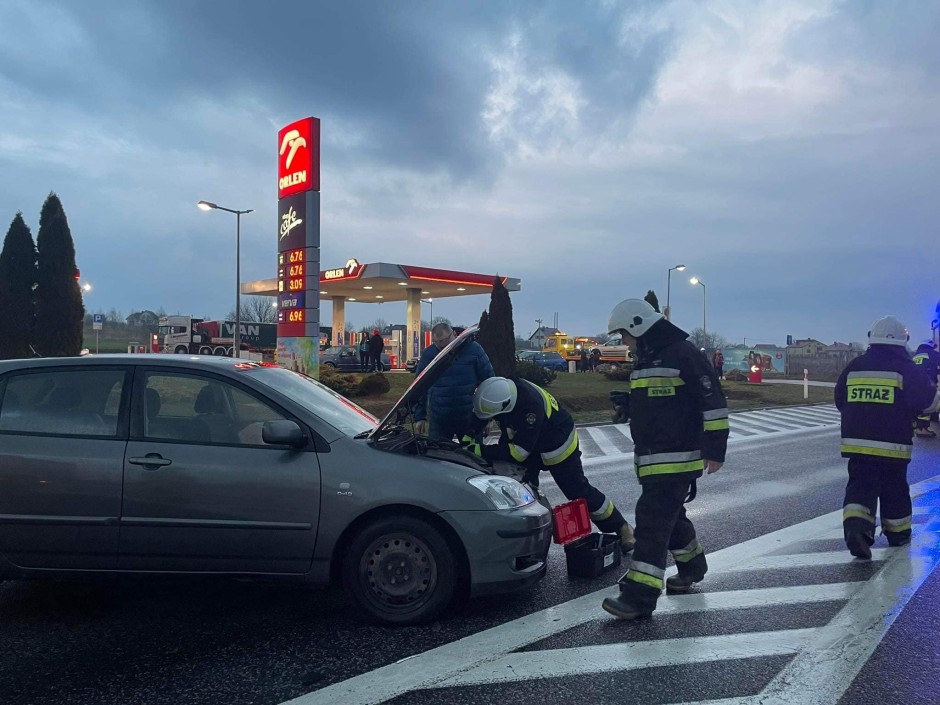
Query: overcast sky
(787, 152)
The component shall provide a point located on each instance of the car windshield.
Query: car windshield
(333, 408)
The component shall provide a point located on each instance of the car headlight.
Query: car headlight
(503, 492)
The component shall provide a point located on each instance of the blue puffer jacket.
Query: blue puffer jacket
(452, 394)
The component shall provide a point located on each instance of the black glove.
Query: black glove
(621, 402)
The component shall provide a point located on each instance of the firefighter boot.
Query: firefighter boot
(627, 540)
(925, 433)
(859, 545)
(681, 584)
(623, 608)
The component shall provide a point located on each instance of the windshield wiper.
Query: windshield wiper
(364, 434)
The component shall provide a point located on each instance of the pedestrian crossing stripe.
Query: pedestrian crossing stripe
(614, 439)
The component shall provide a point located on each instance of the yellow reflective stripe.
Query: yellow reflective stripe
(879, 452)
(857, 514)
(873, 381)
(518, 454)
(644, 579)
(604, 512)
(550, 403)
(717, 425)
(684, 555)
(562, 453)
(920, 359)
(656, 382)
(896, 525)
(669, 468)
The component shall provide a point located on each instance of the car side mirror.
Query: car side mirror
(283, 433)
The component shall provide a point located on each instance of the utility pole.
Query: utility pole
(538, 332)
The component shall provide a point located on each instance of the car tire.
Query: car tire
(331, 365)
(400, 571)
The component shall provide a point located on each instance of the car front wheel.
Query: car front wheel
(400, 570)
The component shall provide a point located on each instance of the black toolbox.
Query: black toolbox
(593, 555)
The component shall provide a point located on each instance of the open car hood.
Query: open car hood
(423, 382)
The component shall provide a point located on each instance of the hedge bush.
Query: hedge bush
(541, 376)
(618, 374)
(344, 384)
(372, 385)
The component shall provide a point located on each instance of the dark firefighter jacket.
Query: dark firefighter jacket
(929, 360)
(879, 394)
(678, 414)
(536, 433)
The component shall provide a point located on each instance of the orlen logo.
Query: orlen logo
(352, 270)
(298, 166)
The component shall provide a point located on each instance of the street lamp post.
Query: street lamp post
(696, 280)
(208, 206)
(678, 268)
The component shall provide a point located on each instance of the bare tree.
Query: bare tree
(256, 309)
(710, 342)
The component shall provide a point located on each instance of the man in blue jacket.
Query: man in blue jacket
(879, 394)
(449, 403)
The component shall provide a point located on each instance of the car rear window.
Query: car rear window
(63, 402)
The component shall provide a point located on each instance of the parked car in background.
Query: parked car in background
(613, 351)
(180, 464)
(412, 364)
(548, 360)
(525, 354)
(346, 358)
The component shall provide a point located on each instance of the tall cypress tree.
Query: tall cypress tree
(17, 279)
(497, 335)
(59, 307)
(652, 300)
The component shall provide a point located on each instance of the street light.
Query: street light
(696, 280)
(678, 268)
(208, 206)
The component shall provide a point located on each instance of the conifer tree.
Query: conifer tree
(17, 280)
(652, 300)
(59, 307)
(497, 335)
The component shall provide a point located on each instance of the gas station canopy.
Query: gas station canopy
(381, 282)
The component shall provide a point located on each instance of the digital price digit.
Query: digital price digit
(296, 270)
(296, 256)
(295, 284)
(295, 317)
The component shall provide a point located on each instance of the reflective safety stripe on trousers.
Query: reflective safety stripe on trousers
(668, 463)
(684, 555)
(716, 420)
(562, 452)
(645, 574)
(657, 381)
(857, 511)
(877, 449)
(896, 526)
(873, 387)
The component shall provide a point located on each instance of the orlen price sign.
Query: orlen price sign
(298, 166)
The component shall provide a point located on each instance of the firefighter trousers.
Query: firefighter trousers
(570, 478)
(661, 526)
(871, 481)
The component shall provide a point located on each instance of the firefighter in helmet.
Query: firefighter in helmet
(929, 360)
(537, 434)
(679, 423)
(879, 393)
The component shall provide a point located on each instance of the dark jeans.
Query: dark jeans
(363, 361)
(661, 526)
(871, 480)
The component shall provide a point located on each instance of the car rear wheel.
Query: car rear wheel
(331, 365)
(400, 570)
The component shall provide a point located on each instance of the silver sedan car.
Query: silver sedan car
(180, 464)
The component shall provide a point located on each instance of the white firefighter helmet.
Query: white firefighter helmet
(633, 316)
(496, 395)
(888, 331)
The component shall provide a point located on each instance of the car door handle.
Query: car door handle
(152, 461)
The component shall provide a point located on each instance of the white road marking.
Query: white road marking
(771, 420)
(807, 560)
(556, 663)
(605, 444)
(855, 632)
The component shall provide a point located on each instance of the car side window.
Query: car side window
(193, 409)
(77, 402)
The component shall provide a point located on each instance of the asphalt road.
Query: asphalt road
(221, 641)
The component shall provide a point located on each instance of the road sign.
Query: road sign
(97, 321)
